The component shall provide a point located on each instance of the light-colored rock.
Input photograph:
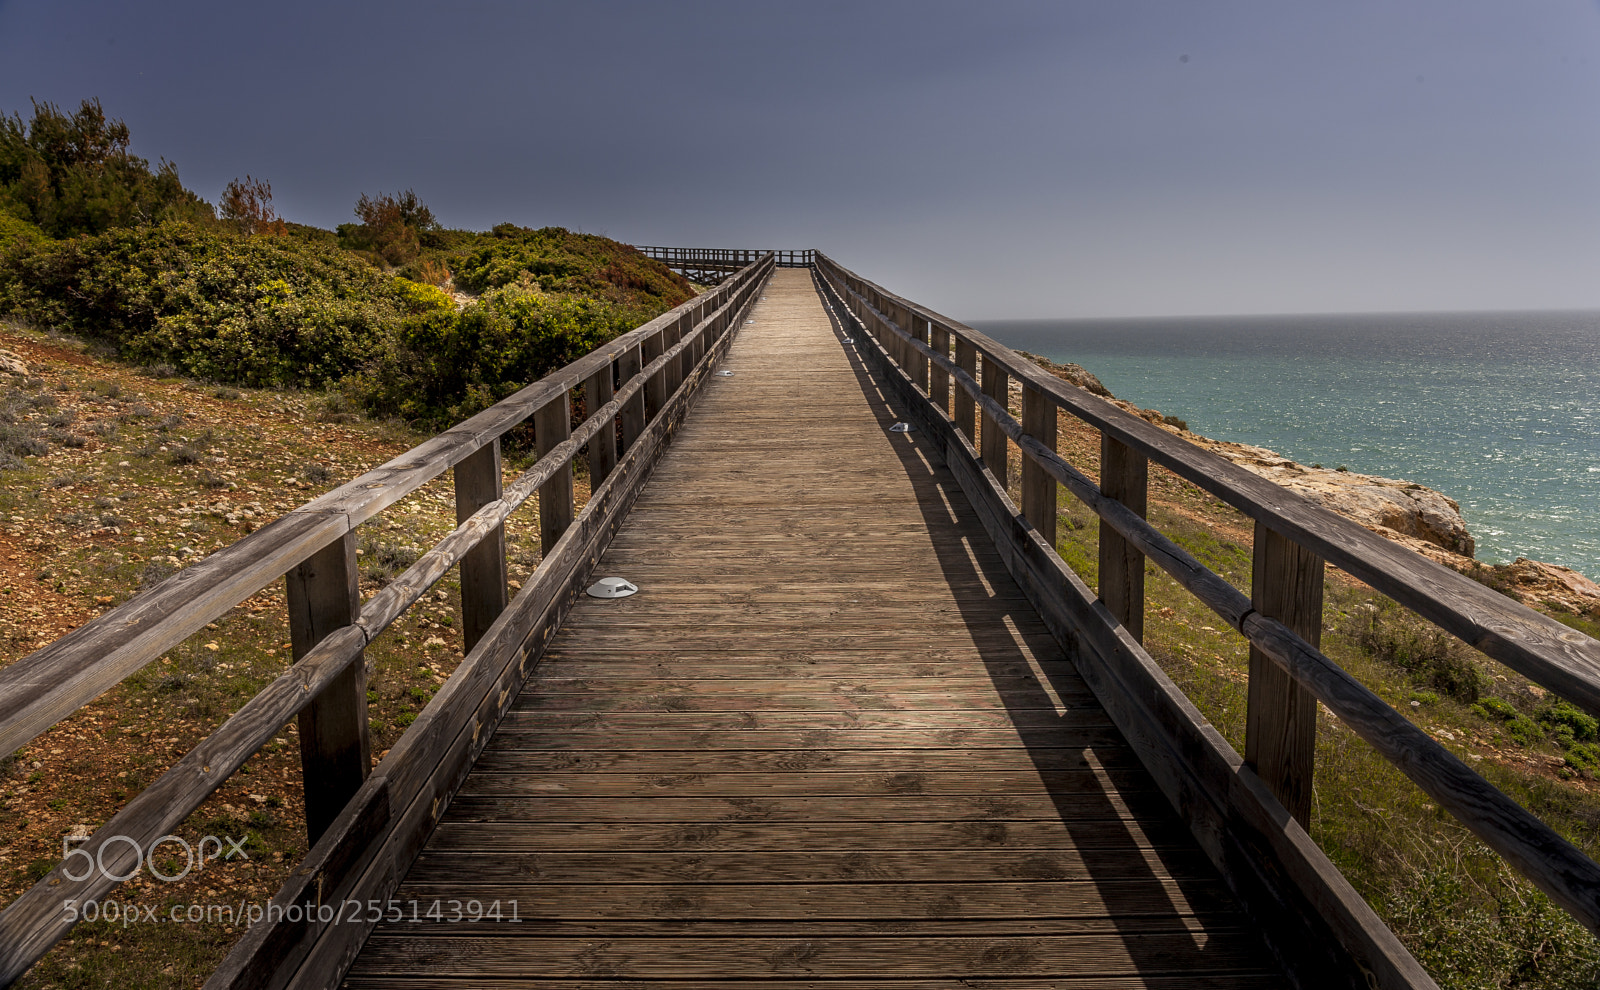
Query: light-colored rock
(1550, 585)
(12, 362)
(1376, 503)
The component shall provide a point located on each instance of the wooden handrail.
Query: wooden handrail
(107, 649)
(1557, 867)
(1556, 656)
(717, 259)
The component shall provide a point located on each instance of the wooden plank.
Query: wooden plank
(324, 596)
(1124, 476)
(552, 424)
(1281, 721)
(1067, 785)
(866, 898)
(1038, 487)
(965, 412)
(1088, 735)
(597, 391)
(1164, 840)
(1187, 981)
(994, 442)
(617, 754)
(483, 569)
(896, 958)
(633, 413)
(939, 379)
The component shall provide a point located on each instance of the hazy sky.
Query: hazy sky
(994, 159)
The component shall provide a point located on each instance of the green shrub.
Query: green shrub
(1524, 731)
(1496, 709)
(1430, 655)
(18, 233)
(256, 311)
(1498, 934)
(558, 260)
(1579, 725)
(1584, 758)
(419, 297)
(443, 366)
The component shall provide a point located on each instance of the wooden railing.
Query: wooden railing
(713, 264)
(366, 828)
(1249, 813)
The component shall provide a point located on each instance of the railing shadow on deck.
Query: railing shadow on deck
(1320, 929)
(1157, 941)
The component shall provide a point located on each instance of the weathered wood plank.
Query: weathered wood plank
(1124, 476)
(1281, 720)
(324, 596)
(896, 958)
(1163, 839)
(478, 482)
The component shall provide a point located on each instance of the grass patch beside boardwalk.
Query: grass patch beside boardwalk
(159, 472)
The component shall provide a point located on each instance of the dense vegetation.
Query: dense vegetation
(73, 174)
(95, 243)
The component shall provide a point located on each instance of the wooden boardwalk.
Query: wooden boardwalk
(828, 744)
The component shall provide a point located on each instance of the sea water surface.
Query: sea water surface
(1499, 411)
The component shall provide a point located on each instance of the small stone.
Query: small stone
(213, 647)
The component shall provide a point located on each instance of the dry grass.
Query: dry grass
(160, 472)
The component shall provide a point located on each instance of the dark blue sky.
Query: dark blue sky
(997, 159)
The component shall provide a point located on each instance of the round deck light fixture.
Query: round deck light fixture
(724, 374)
(612, 587)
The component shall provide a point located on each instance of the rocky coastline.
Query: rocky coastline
(1413, 515)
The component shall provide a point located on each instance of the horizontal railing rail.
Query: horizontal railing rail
(723, 259)
(636, 388)
(1294, 536)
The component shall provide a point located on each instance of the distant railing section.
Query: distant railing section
(924, 353)
(366, 825)
(711, 265)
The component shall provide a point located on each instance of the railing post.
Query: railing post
(938, 378)
(917, 327)
(1124, 476)
(483, 569)
(1038, 485)
(655, 387)
(966, 409)
(597, 391)
(552, 425)
(1280, 739)
(324, 594)
(996, 386)
(633, 412)
(683, 365)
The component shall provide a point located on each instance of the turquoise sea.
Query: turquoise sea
(1499, 411)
